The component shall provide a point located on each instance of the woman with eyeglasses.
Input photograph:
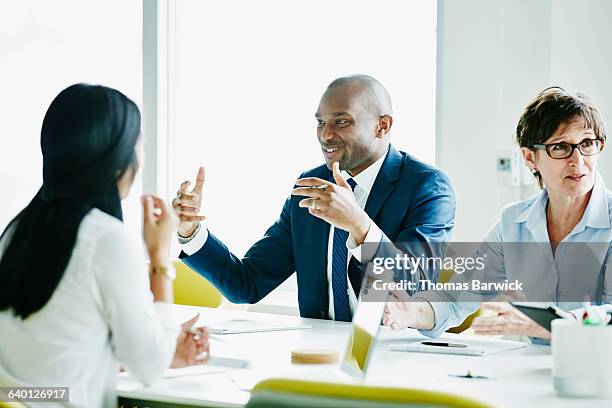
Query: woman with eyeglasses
(75, 296)
(538, 241)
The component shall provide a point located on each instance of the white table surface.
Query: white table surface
(519, 378)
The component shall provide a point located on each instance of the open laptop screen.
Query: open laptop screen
(364, 329)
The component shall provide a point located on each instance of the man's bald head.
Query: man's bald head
(373, 95)
(353, 122)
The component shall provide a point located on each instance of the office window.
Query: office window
(45, 47)
(249, 75)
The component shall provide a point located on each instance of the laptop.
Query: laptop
(358, 351)
(356, 358)
(362, 339)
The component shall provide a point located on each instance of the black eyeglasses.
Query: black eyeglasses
(563, 150)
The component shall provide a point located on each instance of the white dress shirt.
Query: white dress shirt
(365, 180)
(102, 313)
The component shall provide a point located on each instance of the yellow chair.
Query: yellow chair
(466, 323)
(5, 382)
(12, 405)
(285, 393)
(6, 404)
(190, 288)
(445, 276)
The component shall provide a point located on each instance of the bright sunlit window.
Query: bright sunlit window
(45, 47)
(249, 76)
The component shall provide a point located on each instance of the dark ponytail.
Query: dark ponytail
(88, 142)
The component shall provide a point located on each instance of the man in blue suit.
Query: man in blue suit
(367, 192)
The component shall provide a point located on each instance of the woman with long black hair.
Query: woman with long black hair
(75, 297)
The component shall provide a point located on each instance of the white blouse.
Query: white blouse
(102, 313)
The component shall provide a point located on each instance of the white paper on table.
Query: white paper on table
(236, 326)
(468, 347)
(201, 369)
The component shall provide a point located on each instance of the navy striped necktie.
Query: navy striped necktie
(342, 310)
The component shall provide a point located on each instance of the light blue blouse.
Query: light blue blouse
(525, 222)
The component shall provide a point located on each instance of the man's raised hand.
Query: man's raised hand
(187, 204)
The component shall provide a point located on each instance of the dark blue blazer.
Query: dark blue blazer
(410, 202)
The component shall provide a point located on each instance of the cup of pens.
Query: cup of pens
(582, 358)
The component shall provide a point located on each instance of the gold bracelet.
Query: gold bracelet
(167, 270)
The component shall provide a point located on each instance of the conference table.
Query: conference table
(516, 378)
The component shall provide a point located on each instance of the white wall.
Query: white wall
(581, 57)
(493, 57)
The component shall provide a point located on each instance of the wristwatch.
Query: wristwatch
(167, 270)
(184, 240)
